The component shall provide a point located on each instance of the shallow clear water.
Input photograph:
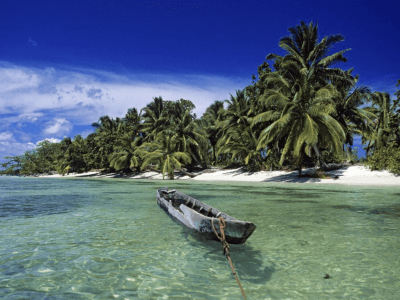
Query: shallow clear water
(107, 239)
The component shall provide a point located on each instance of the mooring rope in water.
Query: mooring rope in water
(225, 248)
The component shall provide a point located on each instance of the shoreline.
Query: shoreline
(347, 175)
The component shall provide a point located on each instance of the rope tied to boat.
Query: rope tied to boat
(225, 249)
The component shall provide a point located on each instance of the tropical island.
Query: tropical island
(301, 113)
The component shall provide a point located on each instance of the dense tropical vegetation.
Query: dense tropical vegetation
(301, 111)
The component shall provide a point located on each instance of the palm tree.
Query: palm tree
(300, 97)
(211, 119)
(107, 133)
(242, 145)
(190, 136)
(385, 110)
(128, 153)
(132, 121)
(302, 48)
(349, 112)
(164, 152)
(237, 111)
(304, 119)
(73, 158)
(155, 118)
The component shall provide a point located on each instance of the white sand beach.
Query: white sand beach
(349, 175)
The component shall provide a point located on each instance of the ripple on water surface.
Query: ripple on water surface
(107, 239)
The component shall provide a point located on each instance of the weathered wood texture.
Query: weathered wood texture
(198, 217)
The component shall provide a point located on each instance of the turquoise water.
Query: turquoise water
(107, 239)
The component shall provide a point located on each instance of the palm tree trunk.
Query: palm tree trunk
(368, 149)
(322, 164)
(214, 157)
(193, 156)
(300, 162)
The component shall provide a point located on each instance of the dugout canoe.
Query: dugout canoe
(198, 217)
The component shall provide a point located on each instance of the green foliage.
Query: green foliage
(73, 158)
(94, 159)
(299, 96)
(241, 143)
(334, 157)
(301, 110)
(272, 160)
(353, 156)
(128, 153)
(387, 158)
(12, 166)
(164, 152)
(210, 121)
(386, 124)
(42, 159)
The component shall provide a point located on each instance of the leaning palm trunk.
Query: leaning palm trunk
(322, 164)
(301, 162)
(198, 162)
(214, 156)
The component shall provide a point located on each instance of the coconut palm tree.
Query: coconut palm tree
(73, 158)
(132, 121)
(349, 111)
(385, 110)
(128, 153)
(300, 97)
(305, 114)
(242, 144)
(211, 119)
(107, 132)
(156, 119)
(190, 136)
(164, 151)
(237, 111)
(303, 48)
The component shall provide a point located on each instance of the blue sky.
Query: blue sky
(65, 64)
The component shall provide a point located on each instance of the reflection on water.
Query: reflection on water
(107, 239)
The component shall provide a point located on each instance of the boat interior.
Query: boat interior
(176, 198)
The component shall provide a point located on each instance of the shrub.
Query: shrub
(353, 156)
(330, 157)
(387, 158)
(271, 161)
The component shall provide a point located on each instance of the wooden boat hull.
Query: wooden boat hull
(199, 217)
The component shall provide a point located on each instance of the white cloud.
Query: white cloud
(20, 119)
(51, 140)
(6, 136)
(82, 96)
(17, 79)
(14, 149)
(39, 102)
(58, 126)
